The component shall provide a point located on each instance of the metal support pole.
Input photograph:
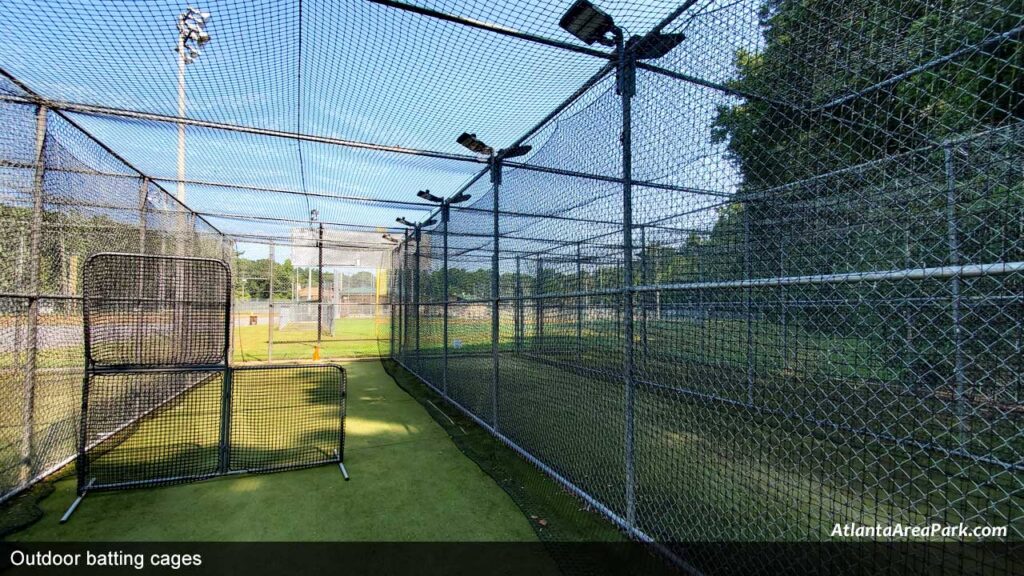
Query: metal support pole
(518, 317)
(33, 288)
(643, 302)
(538, 308)
(224, 456)
(954, 260)
(495, 289)
(747, 304)
(417, 235)
(626, 86)
(140, 289)
(405, 295)
(270, 308)
(784, 320)
(319, 290)
(579, 299)
(445, 216)
(143, 203)
(392, 290)
(701, 306)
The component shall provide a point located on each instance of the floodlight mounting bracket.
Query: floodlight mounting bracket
(654, 45)
(494, 163)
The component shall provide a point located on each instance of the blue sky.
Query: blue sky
(346, 69)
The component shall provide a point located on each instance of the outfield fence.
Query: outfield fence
(756, 303)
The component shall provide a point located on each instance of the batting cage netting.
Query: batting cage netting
(726, 270)
(161, 405)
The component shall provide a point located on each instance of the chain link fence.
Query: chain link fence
(801, 307)
(65, 197)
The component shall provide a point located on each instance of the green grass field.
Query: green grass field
(354, 338)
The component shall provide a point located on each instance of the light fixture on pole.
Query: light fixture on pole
(426, 195)
(590, 24)
(459, 198)
(404, 222)
(192, 35)
(474, 144)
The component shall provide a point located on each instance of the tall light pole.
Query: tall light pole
(191, 36)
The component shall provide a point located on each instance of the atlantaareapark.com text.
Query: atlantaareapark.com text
(936, 530)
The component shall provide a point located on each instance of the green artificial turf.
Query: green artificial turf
(409, 483)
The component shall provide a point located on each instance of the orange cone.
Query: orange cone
(316, 352)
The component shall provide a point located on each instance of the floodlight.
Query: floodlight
(405, 222)
(588, 23)
(430, 222)
(192, 33)
(460, 197)
(474, 144)
(426, 195)
(515, 151)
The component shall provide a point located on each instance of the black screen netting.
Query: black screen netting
(160, 403)
(146, 310)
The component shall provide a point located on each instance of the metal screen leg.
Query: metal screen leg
(78, 500)
(341, 466)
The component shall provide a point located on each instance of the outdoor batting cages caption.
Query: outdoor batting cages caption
(101, 559)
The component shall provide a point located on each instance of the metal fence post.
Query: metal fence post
(143, 202)
(270, 308)
(445, 216)
(319, 289)
(953, 241)
(417, 236)
(643, 301)
(406, 298)
(32, 334)
(224, 452)
(626, 85)
(392, 308)
(517, 319)
(748, 304)
(495, 288)
(538, 321)
(782, 301)
(579, 297)
(143, 196)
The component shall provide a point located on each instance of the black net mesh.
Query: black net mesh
(162, 405)
(150, 428)
(286, 417)
(65, 198)
(758, 276)
(154, 310)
